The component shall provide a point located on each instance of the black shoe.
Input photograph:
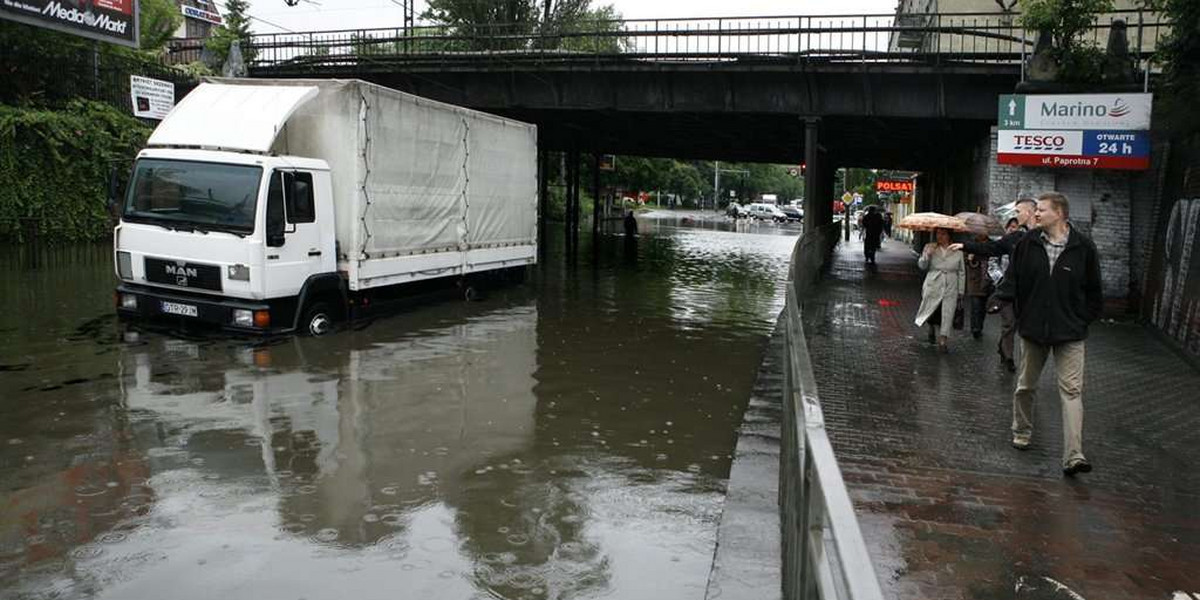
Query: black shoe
(976, 334)
(1078, 465)
(1010, 365)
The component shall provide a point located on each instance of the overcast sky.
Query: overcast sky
(274, 16)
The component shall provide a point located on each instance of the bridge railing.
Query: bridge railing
(824, 555)
(958, 37)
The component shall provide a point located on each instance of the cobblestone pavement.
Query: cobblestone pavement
(948, 508)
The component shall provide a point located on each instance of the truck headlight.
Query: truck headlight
(124, 265)
(239, 273)
(243, 317)
(129, 302)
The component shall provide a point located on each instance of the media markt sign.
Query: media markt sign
(1089, 131)
(105, 20)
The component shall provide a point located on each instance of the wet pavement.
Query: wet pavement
(569, 438)
(948, 509)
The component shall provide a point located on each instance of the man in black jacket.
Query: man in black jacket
(1053, 280)
(1004, 247)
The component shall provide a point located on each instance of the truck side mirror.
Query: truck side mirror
(275, 214)
(114, 191)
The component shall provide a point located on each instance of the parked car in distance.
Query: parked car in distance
(760, 210)
(792, 213)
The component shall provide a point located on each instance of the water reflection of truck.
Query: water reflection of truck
(287, 205)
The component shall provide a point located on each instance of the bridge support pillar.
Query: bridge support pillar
(812, 191)
(543, 199)
(595, 198)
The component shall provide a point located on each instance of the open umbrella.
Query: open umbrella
(929, 221)
(981, 223)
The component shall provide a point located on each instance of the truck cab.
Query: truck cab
(225, 238)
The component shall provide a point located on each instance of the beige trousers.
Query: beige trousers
(1068, 367)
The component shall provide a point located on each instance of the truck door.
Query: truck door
(294, 245)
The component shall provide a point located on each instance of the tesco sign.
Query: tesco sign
(1022, 141)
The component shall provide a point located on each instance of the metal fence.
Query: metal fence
(81, 71)
(824, 555)
(959, 37)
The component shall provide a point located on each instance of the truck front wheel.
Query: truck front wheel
(317, 320)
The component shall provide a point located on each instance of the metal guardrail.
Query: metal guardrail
(824, 555)
(985, 37)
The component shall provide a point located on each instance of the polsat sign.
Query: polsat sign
(1084, 131)
(894, 185)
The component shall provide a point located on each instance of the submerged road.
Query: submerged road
(568, 438)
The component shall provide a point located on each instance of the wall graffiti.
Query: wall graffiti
(1176, 308)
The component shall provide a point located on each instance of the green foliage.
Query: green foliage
(1179, 53)
(54, 168)
(158, 22)
(1068, 21)
(512, 24)
(236, 27)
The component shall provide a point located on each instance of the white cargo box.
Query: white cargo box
(421, 189)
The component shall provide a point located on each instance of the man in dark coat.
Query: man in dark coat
(873, 226)
(1053, 281)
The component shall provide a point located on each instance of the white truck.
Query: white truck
(287, 205)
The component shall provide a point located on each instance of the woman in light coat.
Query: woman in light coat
(942, 288)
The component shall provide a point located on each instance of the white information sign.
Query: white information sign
(151, 98)
(1125, 112)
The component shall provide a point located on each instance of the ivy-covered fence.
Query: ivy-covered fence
(55, 166)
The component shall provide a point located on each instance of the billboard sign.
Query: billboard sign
(151, 98)
(112, 21)
(1084, 131)
(195, 13)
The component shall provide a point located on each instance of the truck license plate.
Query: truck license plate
(175, 308)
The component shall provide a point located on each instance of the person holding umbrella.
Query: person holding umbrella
(945, 281)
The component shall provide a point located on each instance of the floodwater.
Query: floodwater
(567, 438)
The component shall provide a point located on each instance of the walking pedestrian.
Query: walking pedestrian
(997, 265)
(873, 226)
(1053, 280)
(887, 224)
(1003, 247)
(979, 287)
(944, 285)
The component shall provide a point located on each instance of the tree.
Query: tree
(512, 24)
(1067, 21)
(1179, 53)
(158, 22)
(236, 27)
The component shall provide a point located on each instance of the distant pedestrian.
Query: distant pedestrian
(872, 224)
(1004, 247)
(979, 287)
(887, 224)
(1053, 280)
(630, 224)
(944, 285)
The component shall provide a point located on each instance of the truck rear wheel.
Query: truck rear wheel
(317, 320)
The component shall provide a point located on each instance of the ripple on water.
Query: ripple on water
(328, 534)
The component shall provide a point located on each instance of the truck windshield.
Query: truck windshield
(192, 195)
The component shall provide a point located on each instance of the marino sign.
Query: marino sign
(1090, 131)
(106, 20)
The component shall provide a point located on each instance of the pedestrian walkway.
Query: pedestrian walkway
(948, 508)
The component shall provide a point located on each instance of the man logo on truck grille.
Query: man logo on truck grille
(181, 273)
